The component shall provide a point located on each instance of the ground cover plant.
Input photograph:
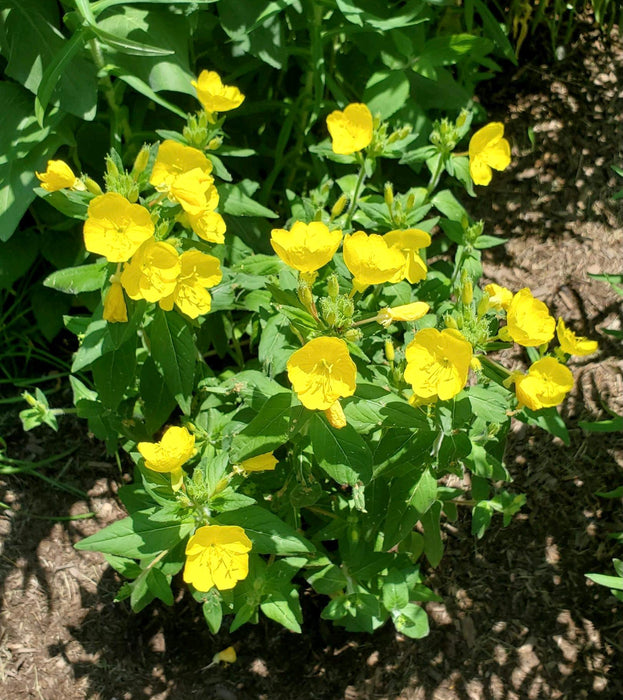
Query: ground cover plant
(302, 462)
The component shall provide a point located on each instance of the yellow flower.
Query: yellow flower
(116, 228)
(546, 384)
(571, 344)
(175, 159)
(197, 271)
(213, 95)
(115, 310)
(217, 555)
(58, 176)
(410, 241)
(321, 372)
(192, 190)
(153, 271)
(499, 297)
(208, 225)
(351, 130)
(261, 463)
(307, 247)
(167, 456)
(488, 149)
(371, 260)
(406, 312)
(437, 364)
(335, 415)
(528, 321)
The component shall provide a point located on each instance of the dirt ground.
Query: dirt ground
(519, 619)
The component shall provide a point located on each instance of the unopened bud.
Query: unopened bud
(450, 322)
(388, 194)
(92, 186)
(410, 201)
(333, 286)
(305, 295)
(467, 292)
(390, 353)
(335, 415)
(111, 168)
(133, 194)
(214, 143)
(475, 364)
(339, 206)
(353, 335)
(141, 160)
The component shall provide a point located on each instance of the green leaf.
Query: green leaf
(395, 590)
(489, 403)
(449, 206)
(268, 533)
(24, 148)
(267, 431)
(74, 280)
(137, 536)
(401, 451)
(234, 201)
(157, 401)
(342, 453)
(284, 608)
(159, 585)
(386, 92)
(451, 48)
(433, 546)
(213, 611)
(614, 582)
(329, 580)
(409, 499)
(611, 425)
(113, 373)
(548, 419)
(412, 621)
(174, 353)
(17, 255)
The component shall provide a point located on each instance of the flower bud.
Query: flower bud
(390, 353)
(305, 295)
(353, 335)
(140, 163)
(335, 415)
(333, 286)
(92, 186)
(450, 322)
(339, 206)
(467, 291)
(388, 194)
(215, 143)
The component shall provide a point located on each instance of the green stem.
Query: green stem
(434, 178)
(360, 180)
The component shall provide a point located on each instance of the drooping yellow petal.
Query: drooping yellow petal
(572, 344)
(407, 312)
(335, 415)
(261, 463)
(115, 310)
(213, 95)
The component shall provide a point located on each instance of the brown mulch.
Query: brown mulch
(519, 619)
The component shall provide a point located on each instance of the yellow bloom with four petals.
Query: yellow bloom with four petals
(321, 372)
(371, 260)
(193, 190)
(572, 344)
(217, 555)
(175, 159)
(437, 364)
(488, 149)
(59, 176)
(306, 247)
(213, 95)
(197, 271)
(351, 130)
(153, 271)
(168, 455)
(116, 228)
(410, 241)
(546, 384)
(499, 297)
(528, 321)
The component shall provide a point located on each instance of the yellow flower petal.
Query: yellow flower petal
(335, 415)
(175, 159)
(213, 95)
(351, 130)
(321, 372)
(261, 463)
(57, 176)
(153, 271)
(546, 384)
(306, 247)
(173, 450)
(488, 149)
(115, 310)
(406, 312)
(528, 321)
(572, 344)
(371, 260)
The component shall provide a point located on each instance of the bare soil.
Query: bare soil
(519, 618)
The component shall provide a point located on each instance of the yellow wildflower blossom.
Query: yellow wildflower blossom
(371, 260)
(572, 344)
(437, 364)
(197, 271)
(192, 190)
(321, 372)
(488, 149)
(213, 95)
(261, 463)
(115, 228)
(153, 271)
(168, 455)
(306, 247)
(351, 130)
(217, 555)
(115, 310)
(499, 297)
(546, 384)
(528, 321)
(175, 159)
(208, 225)
(406, 312)
(59, 176)
(409, 242)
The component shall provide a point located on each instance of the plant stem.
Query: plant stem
(360, 180)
